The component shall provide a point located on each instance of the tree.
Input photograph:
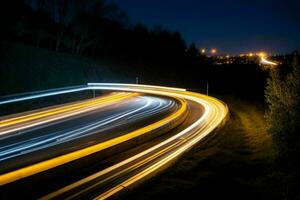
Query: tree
(41, 25)
(192, 51)
(13, 25)
(85, 32)
(62, 12)
(283, 99)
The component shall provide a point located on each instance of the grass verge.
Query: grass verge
(237, 161)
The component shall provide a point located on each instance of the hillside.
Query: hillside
(24, 68)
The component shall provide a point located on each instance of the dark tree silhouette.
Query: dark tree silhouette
(192, 51)
(283, 98)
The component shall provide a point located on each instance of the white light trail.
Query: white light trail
(214, 113)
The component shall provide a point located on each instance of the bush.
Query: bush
(283, 99)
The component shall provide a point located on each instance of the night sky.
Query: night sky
(230, 26)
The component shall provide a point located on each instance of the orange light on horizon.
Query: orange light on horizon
(262, 54)
(213, 51)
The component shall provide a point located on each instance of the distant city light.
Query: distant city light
(203, 50)
(213, 51)
(250, 54)
(262, 54)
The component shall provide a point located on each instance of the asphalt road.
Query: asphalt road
(86, 129)
(55, 138)
(108, 180)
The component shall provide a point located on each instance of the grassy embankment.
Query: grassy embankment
(24, 68)
(235, 162)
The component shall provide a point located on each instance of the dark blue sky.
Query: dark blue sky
(231, 26)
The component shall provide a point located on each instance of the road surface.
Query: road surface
(125, 119)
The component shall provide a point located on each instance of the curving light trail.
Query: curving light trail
(136, 168)
(38, 118)
(144, 107)
(265, 61)
(150, 106)
(115, 178)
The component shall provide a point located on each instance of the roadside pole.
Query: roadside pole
(207, 87)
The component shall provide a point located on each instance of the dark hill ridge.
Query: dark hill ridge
(24, 68)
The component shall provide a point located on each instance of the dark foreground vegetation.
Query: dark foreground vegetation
(50, 44)
(283, 117)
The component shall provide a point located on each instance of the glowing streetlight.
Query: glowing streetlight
(203, 51)
(262, 54)
(213, 51)
(265, 61)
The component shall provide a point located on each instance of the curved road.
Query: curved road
(131, 114)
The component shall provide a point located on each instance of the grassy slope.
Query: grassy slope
(236, 162)
(24, 68)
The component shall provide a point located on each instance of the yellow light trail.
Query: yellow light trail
(60, 160)
(53, 111)
(217, 111)
(267, 62)
(52, 195)
(158, 165)
(42, 117)
(264, 60)
(214, 114)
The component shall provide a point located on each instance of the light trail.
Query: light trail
(267, 62)
(46, 141)
(42, 117)
(136, 86)
(154, 158)
(63, 159)
(40, 94)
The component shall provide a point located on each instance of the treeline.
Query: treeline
(94, 28)
(100, 30)
(283, 117)
(283, 97)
